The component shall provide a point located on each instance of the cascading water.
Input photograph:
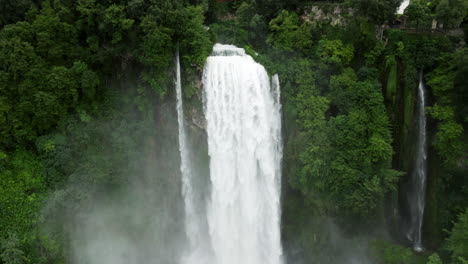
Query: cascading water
(403, 6)
(417, 197)
(192, 219)
(244, 145)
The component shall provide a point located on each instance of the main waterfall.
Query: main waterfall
(418, 181)
(243, 119)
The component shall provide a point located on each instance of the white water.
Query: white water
(244, 143)
(192, 220)
(419, 173)
(403, 6)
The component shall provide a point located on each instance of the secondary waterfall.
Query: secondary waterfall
(192, 220)
(403, 6)
(242, 110)
(417, 202)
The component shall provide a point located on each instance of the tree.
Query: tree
(346, 160)
(258, 30)
(22, 188)
(434, 259)
(457, 242)
(184, 28)
(116, 22)
(12, 11)
(245, 12)
(446, 82)
(269, 8)
(191, 35)
(419, 13)
(331, 57)
(36, 97)
(252, 22)
(377, 11)
(334, 52)
(54, 40)
(11, 254)
(288, 33)
(451, 12)
(361, 148)
(390, 253)
(42, 79)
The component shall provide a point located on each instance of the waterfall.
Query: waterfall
(403, 6)
(242, 110)
(417, 202)
(192, 220)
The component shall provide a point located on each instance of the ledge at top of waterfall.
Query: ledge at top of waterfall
(227, 50)
(244, 143)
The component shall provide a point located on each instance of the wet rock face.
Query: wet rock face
(198, 119)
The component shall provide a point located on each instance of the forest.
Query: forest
(88, 125)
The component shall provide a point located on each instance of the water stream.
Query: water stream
(419, 174)
(242, 110)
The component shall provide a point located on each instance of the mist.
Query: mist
(128, 207)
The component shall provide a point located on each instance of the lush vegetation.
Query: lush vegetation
(85, 87)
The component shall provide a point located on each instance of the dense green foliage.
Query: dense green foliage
(450, 110)
(85, 88)
(395, 254)
(377, 11)
(341, 149)
(419, 13)
(65, 68)
(458, 240)
(451, 12)
(448, 13)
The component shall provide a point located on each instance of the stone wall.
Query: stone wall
(334, 14)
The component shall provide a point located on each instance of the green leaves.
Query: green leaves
(448, 109)
(89, 80)
(340, 156)
(184, 29)
(451, 12)
(40, 81)
(11, 252)
(419, 13)
(334, 52)
(13, 10)
(42, 97)
(21, 189)
(449, 133)
(17, 57)
(156, 42)
(390, 253)
(434, 259)
(346, 157)
(55, 40)
(457, 242)
(377, 11)
(192, 36)
(288, 33)
(116, 22)
(361, 154)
